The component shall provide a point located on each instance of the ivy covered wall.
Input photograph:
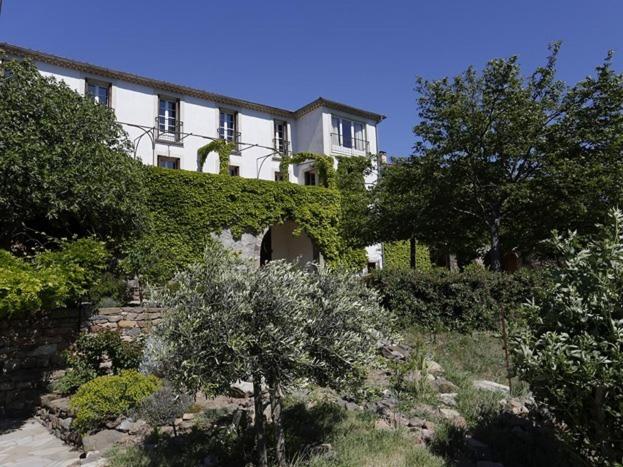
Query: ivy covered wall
(185, 208)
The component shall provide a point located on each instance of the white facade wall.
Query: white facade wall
(137, 105)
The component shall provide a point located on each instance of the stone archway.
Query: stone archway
(280, 242)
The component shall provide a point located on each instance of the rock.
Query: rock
(448, 398)
(324, 449)
(444, 386)
(427, 435)
(416, 423)
(491, 386)
(102, 440)
(433, 367)
(453, 417)
(515, 405)
(395, 351)
(66, 422)
(124, 323)
(381, 424)
(125, 425)
(59, 405)
(188, 416)
(241, 389)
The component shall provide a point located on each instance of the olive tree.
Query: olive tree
(277, 325)
(572, 353)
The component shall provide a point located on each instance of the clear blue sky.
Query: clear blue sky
(287, 52)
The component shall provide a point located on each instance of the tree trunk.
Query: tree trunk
(275, 407)
(260, 423)
(412, 252)
(496, 247)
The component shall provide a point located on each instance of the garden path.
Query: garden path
(29, 444)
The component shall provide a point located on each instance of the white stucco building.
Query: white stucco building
(167, 123)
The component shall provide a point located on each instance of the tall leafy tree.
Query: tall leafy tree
(502, 158)
(64, 167)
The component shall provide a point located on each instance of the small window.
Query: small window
(228, 126)
(168, 118)
(99, 92)
(371, 266)
(169, 162)
(281, 142)
(234, 171)
(310, 177)
(278, 176)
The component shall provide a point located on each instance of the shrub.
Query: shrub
(441, 299)
(572, 353)
(88, 354)
(52, 279)
(164, 406)
(107, 397)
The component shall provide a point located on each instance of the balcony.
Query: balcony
(228, 134)
(345, 144)
(168, 130)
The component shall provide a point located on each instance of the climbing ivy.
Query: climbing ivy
(322, 163)
(222, 148)
(186, 207)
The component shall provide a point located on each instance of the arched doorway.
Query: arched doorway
(280, 242)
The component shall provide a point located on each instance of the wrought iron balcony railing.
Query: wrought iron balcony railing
(228, 134)
(347, 142)
(168, 129)
(282, 146)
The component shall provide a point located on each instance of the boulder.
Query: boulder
(448, 398)
(491, 386)
(102, 440)
(433, 367)
(444, 386)
(241, 389)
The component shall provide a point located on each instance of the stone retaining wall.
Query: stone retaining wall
(130, 322)
(31, 348)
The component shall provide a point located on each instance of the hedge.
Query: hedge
(440, 299)
(184, 208)
(397, 255)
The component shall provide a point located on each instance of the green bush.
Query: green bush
(52, 279)
(186, 207)
(90, 351)
(572, 352)
(397, 255)
(440, 299)
(107, 397)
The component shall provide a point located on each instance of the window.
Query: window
(234, 171)
(168, 119)
(278, 176)
(227, 126)
(281, 137)
(310, 177)
(348, 134)
(99, 92)
(169, 162)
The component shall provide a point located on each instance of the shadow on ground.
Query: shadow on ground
(229, 441)
(509, 439)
